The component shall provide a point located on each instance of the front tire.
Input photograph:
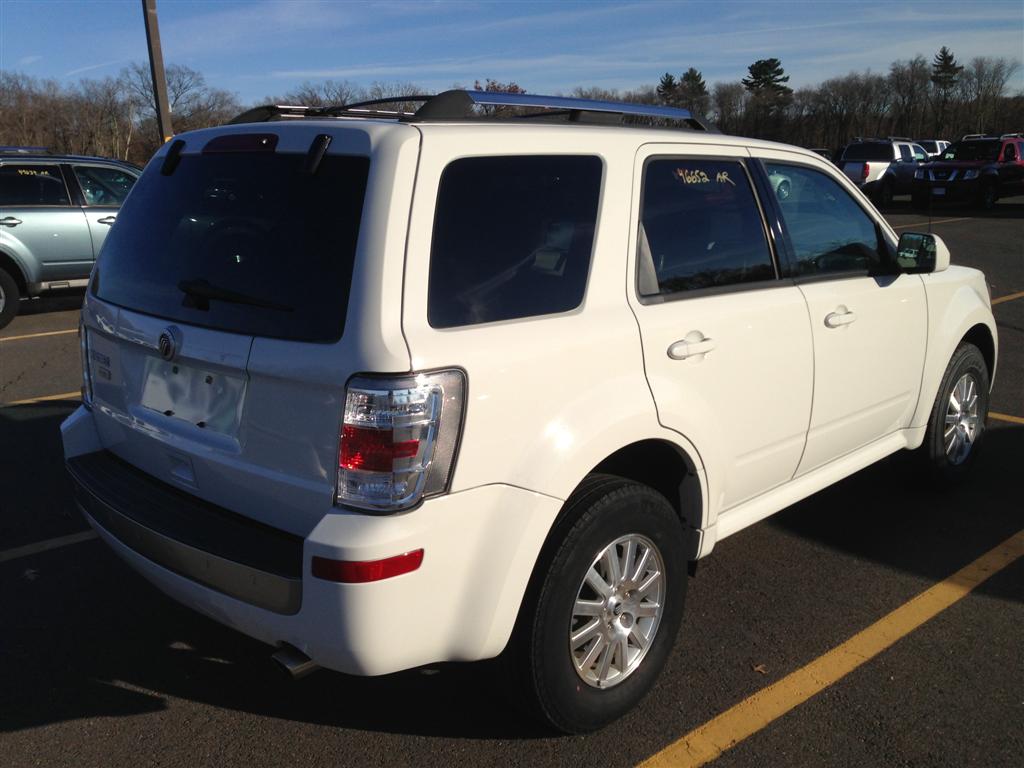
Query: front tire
(594, 636)
(9, 298)
(957, 423)
(988, 195)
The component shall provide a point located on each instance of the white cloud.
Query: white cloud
(26, 61)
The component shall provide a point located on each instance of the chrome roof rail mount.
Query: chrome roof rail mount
(460, 105)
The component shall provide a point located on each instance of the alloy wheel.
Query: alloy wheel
(963, 423)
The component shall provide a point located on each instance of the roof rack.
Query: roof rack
(1017, 135)
(973, 136)
(24, 150)
(459, 105)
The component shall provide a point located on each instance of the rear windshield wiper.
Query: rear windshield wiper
(200, 292)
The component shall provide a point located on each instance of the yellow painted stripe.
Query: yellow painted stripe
(710, 740)
(1005, 417)
(28, 401)
(37, 335)
(46, 546)
(931, 223)
(1010, 297)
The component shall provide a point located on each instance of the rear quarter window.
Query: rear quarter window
(512, 238)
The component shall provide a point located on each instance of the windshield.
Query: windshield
(972, 150)
(244, 242)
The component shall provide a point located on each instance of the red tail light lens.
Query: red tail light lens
(361, 572)
(398, 439)
(865, 171)
(373, 450)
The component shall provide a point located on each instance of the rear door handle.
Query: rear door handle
(683, 349)
(10, 221)
(108, 220)
(837, 318)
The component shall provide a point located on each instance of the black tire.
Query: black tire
(10, 298)
(919, 202)
(885, 194)
(604, 509)
(944, 463)
(987, 195)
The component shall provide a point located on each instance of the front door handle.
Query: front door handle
(683, 349)
(10, 221)
(108, 220)
(840, 317)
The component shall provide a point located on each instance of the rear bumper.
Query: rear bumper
(479, 545)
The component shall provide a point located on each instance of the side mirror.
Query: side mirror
(918, 253)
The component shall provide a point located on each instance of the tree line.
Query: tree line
(116, 117)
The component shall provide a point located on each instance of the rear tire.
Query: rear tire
(579, 685)
(957, 422)
(885, 194)
(987, 196)
(10, 298)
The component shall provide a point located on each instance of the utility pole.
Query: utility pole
(156, 69)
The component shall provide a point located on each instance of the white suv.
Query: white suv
(385, 392)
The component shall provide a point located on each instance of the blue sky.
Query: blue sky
(260, 48)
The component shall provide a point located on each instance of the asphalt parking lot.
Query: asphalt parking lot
(99, 669)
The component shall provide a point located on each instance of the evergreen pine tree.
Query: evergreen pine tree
(667, 88)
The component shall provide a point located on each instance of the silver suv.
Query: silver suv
(55, 212)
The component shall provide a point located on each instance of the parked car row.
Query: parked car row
(977, 170)
(55, 212)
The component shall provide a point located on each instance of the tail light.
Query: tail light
(83, 346)
(398, 439)
(865, 171)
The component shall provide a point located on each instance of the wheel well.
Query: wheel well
(981, 337)
(663, 467)
(10, 266)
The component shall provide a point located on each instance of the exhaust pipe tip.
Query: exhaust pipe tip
(294, 662)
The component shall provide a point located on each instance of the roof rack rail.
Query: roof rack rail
(24, 150)
(973, 136)
(1017, 135)
(899, 138)
(459, 105)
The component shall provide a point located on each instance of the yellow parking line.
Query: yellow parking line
(28, 401)
(37, 335)
(929, 223)
(1009, 297)
(710, 740)
(45, 546)
(1005, 417)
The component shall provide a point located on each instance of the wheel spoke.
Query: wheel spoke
(588, 607)
(588, 632)
(588, 661)
(623, 654)
(646, 610)
(638, 637)
(649, 584)
(611, 558)
(641, 566)
(597, 583)
(629, 560)
(606, 663)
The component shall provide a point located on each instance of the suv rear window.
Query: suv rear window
(869, 151)
(512, 238)
(244, 242)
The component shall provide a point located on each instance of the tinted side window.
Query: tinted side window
(700, 226)
(512, 238)
(905, 153)
(828, 230)
(103, 186)
(32, 185)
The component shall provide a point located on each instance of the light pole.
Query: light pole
(156, 69)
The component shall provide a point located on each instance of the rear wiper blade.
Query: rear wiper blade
(200, 292)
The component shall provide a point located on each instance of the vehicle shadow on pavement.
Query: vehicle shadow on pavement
(897, 514)
(84, 636)
(57, 301)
